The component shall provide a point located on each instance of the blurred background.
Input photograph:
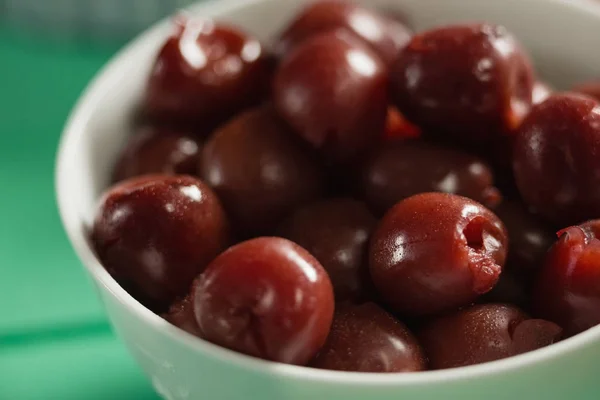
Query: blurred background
(55, 342)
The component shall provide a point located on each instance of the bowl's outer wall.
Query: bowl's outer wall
(178, 373)
(564, 40)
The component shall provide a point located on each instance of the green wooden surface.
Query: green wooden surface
(55, 342)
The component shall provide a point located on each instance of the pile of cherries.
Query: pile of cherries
(344, 199)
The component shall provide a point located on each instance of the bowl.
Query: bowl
(562, 35)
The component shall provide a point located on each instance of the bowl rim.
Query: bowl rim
(76, 126)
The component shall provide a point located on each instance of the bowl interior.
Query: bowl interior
(563, 37)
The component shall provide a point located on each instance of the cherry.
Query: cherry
(260, 170)
(568, 288)
(204, 74)
(395, 171)
(336, 232)
(435, 252)
(365, 338)
(483, 333)
(154, 150)
(332, 90)
(556, 158)
(385, 35)
(466, 82)
(266, 297)
(155, 233)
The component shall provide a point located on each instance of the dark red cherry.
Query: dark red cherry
(436, 252)
(466, 82)
(267, 298)
(332, 90)
(395, 171)
(483, 333)
(557, 158)
(204, 74)
(385, 35)
(260, 170)
(568, 288)
(154, 150)
(155, 233)
(365, 338)
(336, 232)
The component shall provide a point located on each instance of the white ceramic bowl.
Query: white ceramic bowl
(564, 38)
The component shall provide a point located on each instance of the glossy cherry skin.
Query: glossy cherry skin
(466, 82)
(568, 288)
(395, 171)
(591, 89)
(205, 73)
(336, 232)
(156, 233)
(483, 333)
(556, 158)
(386, 36)
(435, 252)
(155, 150)
(365, 338)
(260, 170)
(333, 91)
(268, 298)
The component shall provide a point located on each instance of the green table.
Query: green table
(55, 342)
